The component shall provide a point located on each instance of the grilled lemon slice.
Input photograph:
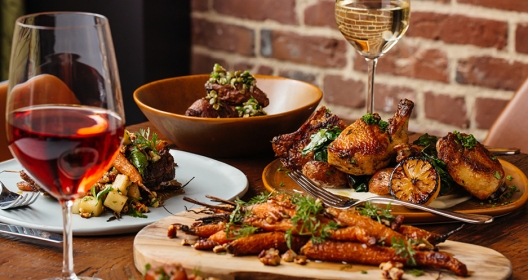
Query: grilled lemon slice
(415, 180)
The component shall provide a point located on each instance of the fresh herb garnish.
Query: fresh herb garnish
(370, 210)
(245, 230)
(250, 108)
(415, 272)
(260, 198)
(320, 141)
(307, 210)
(467, 141)
(428, 142)
(405, 249)
(222, 77)
(375, 119)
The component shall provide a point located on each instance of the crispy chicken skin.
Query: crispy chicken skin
(325, 175)
(362, 149)
(288, 147)
(475, 169)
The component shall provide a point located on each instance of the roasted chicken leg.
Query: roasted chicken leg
(366, 145)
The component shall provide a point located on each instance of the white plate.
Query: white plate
(211, 177)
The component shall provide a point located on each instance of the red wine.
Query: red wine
(66, 149)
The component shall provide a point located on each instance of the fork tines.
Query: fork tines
(311, 188)
(24, 199)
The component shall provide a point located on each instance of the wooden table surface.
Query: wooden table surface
(110, 257)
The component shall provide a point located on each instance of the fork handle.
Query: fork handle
(463, 217)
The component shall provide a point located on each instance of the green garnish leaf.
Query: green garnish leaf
(370, 210)
(307, 210)
(375, 119)
(415, 272)
(497, 175)
(467, 141)
(405, 249)
(320, 141)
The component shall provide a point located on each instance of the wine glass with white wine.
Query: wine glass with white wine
(372, 27)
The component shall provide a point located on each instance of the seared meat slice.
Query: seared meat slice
(472, 167)
(325, 175)
(288, 147)
(236, 95)
(204, 109)
(160, 171)
(363, 148)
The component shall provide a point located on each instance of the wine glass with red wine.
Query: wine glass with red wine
(372, 27)
(65, 115)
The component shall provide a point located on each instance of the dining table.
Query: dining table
(111, 256)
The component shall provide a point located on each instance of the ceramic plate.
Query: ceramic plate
(211, 177)
(275, 178)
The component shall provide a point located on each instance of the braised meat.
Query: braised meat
(238, 94)
(204, 109)
(289, 147)
(367, 145)
(230, 95)
(470, 164)
(160, 171)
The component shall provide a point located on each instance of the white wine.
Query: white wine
(372, 27)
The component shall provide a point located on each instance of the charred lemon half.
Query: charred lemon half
(415, 180)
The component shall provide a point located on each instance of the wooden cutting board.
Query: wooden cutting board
(152, 246)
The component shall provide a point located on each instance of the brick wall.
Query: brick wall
(460, 61)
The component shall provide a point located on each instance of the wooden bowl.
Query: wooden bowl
(164, 103)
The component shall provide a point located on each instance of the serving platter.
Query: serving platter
(206, 176)
(153, 247)
(275, 178)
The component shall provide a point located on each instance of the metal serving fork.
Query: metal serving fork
(9, 199)
(336, 201)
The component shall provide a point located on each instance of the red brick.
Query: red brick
(203, 64)
(282, 11)
(409, 61)
(320, 14)
(487, 110)
(220, 36)
(458, 29)
(242, 66)
(491, 72)
(199, 5)
(297, 75)
(521, 37)
(344, 92)
(509, 5)
(387, 97)
(264, 70)
(312, 50)
(446, 109)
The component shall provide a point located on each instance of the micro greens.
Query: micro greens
(405, 249)
(307, 210)
(467, 141)
(375, 119)
(370, 210)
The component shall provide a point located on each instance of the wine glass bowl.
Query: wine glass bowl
(372, 27)
(65, 117)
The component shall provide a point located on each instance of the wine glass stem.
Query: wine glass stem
(67, 262)
(372, 62)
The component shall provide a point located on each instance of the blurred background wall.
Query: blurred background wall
(151, 38)
(460, 61)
